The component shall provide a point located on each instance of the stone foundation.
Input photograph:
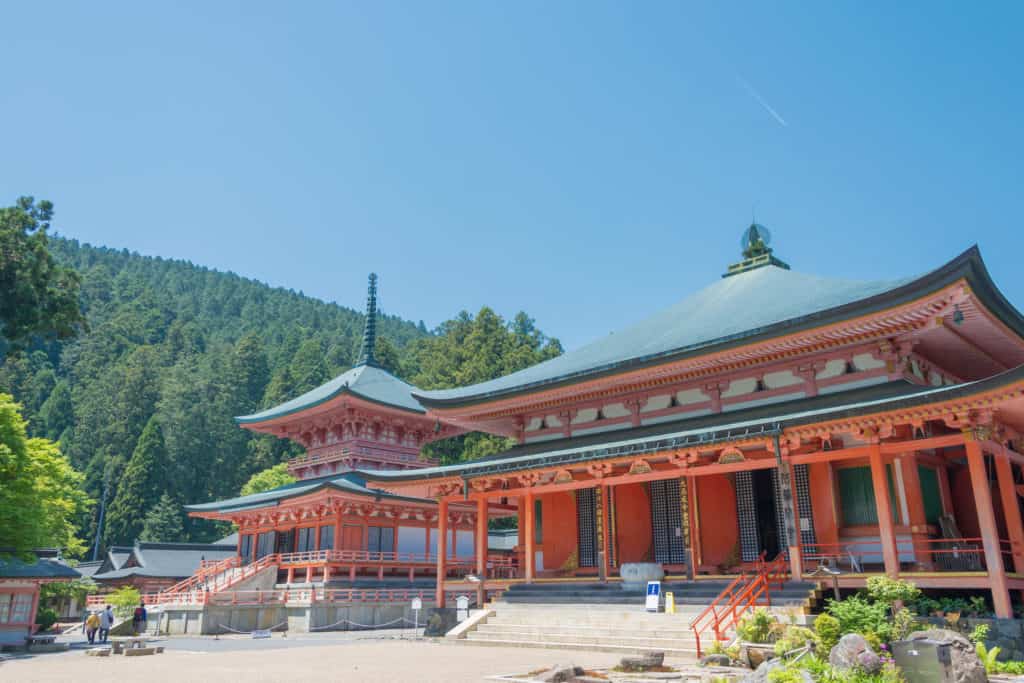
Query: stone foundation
(297, 618)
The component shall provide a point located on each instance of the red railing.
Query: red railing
(933, 554)
(207, 569)
(744, 593)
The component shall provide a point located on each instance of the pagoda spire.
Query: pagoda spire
(366, 356)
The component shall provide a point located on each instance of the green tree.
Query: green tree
(268, 479)
(144, 480)
(470, 349)
(57, 412)
(163, 522)
(37, 296)
(40, 493)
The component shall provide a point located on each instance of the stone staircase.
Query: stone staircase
(604, 617)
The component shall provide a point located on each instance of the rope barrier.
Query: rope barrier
(367, 626)
(249, 633)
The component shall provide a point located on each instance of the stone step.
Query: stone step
(688, 653)
(640, 643)
(588, 630)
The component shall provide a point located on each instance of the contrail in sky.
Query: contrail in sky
(757, 96)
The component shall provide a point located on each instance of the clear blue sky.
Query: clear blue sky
(586, 162)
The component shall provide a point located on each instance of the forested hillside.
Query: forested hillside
(142, 401)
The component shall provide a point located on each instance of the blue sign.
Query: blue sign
(653, 596)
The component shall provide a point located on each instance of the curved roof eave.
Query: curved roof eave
(257, 418)
(513, 460)
(968, 264)
(294, 490)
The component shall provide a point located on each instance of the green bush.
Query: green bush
(820, 671)
(125, 599)
(979, 634)
(904, 622)
(828, 629)
(884, 589)
(757, 627)
(46, 618)
(1012, 668)
(794, 638)
(857, 615)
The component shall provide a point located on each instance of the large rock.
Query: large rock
(853, 652)
(566, 673)
(635, 575)
(967, 667)
(715, 660)
(648, 660)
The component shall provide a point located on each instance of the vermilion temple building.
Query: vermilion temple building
(774, 414)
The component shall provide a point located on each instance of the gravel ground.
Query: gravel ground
(322, 657)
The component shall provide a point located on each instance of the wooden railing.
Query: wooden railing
(207, 569)
(933, 554)
(744, 593)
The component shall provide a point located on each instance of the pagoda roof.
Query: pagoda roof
(348, 482)
(367, 382)
(756, 304)
(756, 422)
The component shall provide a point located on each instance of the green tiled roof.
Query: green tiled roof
(759, 303)
(364, 381)
(759, 421)
(348, 482)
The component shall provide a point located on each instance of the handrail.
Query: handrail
(207, 568)
(739, 596)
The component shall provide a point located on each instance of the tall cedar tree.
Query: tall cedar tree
(163, 522)
(471, 349)
(37, 296)
(40, 493)
(144, 481)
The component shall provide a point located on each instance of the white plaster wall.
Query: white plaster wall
(845, 386)
(833, 368)
(676, 416)
(739, 387)
(656, 403)
(585, 415)
(865, 361)
(777, 380)
(691, 396)
(533, 425)
(614, 410)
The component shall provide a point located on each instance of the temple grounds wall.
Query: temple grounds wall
(298, 618)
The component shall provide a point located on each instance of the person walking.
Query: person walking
(106, 622)
(139, 618)
(92, 623)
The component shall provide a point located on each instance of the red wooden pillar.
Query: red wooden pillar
(915, 507)
(989, 531)
(442, 550)
(886, 530)
(528, 524)
(291, 574)
(337, 531)
(1011, 511)
(481, 538)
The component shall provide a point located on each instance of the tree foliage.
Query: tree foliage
(40, 493)
(163, 521)
(37, 296)
(144, 481)
(189, 348)
(471, 349)
(268, 479)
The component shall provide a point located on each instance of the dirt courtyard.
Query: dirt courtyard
(384, 661)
